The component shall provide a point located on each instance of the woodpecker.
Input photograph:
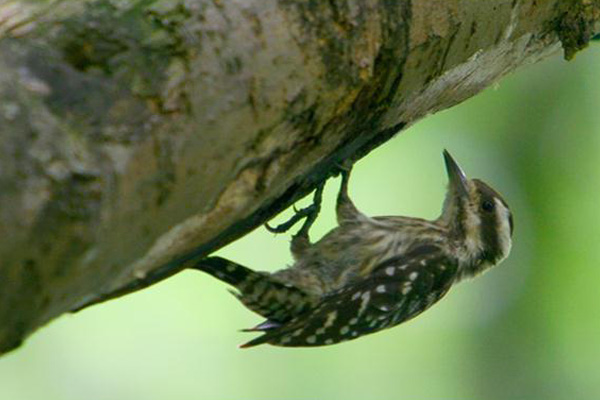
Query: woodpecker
(371, 273)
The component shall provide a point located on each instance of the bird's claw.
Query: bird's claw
(310, 213)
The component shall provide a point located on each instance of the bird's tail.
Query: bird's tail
(227, 271)
(258, 291)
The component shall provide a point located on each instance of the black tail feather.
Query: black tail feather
(226, 270)
(263, 326)
(258, 291)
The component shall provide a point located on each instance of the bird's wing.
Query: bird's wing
(395, 291)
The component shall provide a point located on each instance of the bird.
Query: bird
(370, 273)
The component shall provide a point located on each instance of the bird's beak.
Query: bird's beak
(456, 176)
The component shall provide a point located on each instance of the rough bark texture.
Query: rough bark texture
(137, 134)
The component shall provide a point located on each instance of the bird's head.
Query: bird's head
(478, 219)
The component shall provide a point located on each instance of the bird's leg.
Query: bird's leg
(310, 213)
(300, 241)
(313, 211)
(346, 211)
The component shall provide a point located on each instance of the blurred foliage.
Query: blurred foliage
(526, 329)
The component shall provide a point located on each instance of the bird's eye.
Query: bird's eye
(487, 206)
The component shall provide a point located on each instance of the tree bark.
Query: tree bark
(136, 135)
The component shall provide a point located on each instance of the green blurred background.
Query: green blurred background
(527, 329)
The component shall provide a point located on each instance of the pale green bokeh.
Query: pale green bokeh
(528, 329)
